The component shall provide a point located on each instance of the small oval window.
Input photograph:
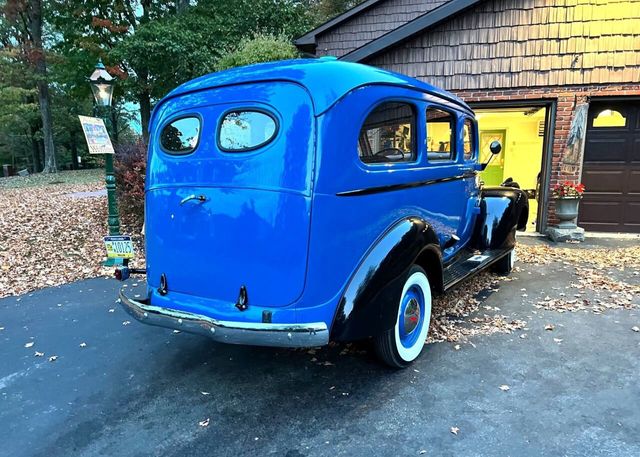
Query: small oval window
(181, 136)
(245, 130)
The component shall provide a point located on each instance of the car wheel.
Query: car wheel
(402, 344)
(505, 264)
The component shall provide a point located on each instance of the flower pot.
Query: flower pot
(567, 211)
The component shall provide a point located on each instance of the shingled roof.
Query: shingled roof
(307, 41)
(406, 31)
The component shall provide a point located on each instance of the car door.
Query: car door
(468, 141)
(445, 156)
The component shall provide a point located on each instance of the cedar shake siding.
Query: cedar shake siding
(525, 43)
(371, 24)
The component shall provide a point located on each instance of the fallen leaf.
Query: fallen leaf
(504, 387)
(455, 430)
(204, 423)
(29, 344)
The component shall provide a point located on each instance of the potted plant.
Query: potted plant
(567, 196)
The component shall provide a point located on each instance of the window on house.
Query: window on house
(181, 136)
(440, 137)
(245, 130)
(388, 134)
(468, 133)
(609, 118)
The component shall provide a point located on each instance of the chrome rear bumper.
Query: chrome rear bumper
(248, 333)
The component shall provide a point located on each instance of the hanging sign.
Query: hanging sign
(97, 136)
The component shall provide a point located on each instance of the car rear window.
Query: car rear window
(181, 135)
(388, 134)
(246, 130)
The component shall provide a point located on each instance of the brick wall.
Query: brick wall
(567, 98)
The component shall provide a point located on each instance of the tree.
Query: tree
(260, 48)
(25, 19)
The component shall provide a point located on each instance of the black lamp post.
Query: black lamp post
(102, 85)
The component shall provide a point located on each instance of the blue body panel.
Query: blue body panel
(286, 220)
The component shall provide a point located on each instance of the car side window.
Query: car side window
(440, 135)
(468, 138)
(388, 134)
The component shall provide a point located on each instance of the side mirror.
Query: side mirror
(495, 147)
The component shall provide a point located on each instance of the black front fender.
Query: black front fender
(502, 211)
(368, 306)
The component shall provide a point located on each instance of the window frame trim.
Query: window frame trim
(453, 125)
(253, 109)
(414, 140)
(173, 119)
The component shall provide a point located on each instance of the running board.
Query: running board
(468, 264)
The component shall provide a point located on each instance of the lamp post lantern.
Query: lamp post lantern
(102, 85)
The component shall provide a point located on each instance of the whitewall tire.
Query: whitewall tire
(402, 344)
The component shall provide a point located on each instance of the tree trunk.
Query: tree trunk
(145, 114)
(35, 151)
(114, 126)
(43, 86)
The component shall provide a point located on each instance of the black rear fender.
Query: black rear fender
(368, 306)
(502, 211)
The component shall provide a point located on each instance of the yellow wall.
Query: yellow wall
(522, 152)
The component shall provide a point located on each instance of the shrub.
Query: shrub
(130, 167)
(259, 48)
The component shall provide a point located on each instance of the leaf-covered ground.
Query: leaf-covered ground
(48, 236)
(602, 279)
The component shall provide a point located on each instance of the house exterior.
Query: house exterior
(557, 81)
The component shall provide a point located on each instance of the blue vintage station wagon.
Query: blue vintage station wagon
(304, 201)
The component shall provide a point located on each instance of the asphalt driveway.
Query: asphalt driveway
(135, 390)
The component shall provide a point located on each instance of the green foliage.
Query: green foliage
(150, 45)
(260, 48)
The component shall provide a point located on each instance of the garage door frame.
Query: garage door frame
(542, 219)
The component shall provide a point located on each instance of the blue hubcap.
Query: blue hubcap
(411, 315)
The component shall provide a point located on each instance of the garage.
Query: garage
(522, 131)
(611, 167)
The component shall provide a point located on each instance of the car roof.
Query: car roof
(326, 79)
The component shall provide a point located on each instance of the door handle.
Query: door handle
(199, 198)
